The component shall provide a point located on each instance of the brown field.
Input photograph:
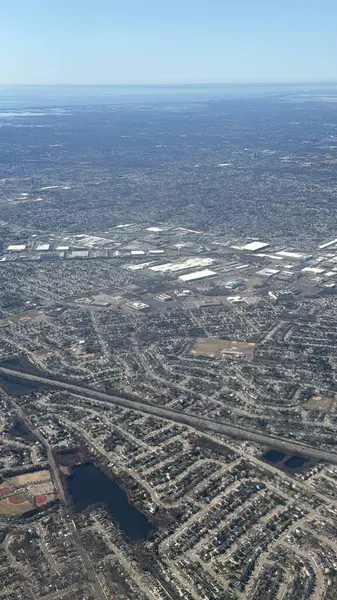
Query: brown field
(65, 470)
(29, 478)
(14, 510)
(215, 348)
(321, 403)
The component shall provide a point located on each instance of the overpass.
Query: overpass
(202, 424)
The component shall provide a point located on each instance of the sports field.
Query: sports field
(321, 403)
(15, 505)
(216, 348)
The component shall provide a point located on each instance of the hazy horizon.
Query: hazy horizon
(134, 43)
(30, 96)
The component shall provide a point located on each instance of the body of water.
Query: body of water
(295, 462)
(17, 387)
(274, 456)
(20, 430)
(290, 462)
(14, 97)
(21, 363)
(88, 485)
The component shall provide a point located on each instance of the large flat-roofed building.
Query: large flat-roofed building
(42, 247)
(294, 255)
(136, 305)
(79, 254)
(254, 246)
(183, 265)
(197, 275)
(16, 247)
(327, 244)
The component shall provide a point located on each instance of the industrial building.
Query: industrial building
(16, 247)
(197, 275)
(136, 305)
(42, 247)
(254, 246)
(189, 263)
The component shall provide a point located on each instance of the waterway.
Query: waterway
(88, 485)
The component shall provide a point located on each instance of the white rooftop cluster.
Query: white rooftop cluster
(197, 275)
(183, 265)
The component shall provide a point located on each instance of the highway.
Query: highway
(198, 423)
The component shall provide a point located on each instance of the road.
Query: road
(198, 423)
(44, 442)
(88, 565)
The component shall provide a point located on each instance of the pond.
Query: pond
(18, 387)
(88, 485)
(283, 460)
(296, 462)
(21, 363)
(20, 430)
(274, 456)
(14, 385)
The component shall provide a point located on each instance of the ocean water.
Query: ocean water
(19, 97)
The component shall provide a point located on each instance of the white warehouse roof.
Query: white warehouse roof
(291, 254)
(253, 246)
(16, 247)
(190, 263)
(327, 244)
(315, 270)
(197, 275)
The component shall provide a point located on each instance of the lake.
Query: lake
(88, 485)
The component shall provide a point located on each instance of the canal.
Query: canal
(88, 485)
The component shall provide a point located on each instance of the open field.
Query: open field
(29, 478)
(215, 348)
(318, 403)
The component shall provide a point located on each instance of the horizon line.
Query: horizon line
(175, 84)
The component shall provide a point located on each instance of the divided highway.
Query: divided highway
(198, 423)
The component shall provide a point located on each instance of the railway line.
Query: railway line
(202, 424)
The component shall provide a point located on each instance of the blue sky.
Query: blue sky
(167, 41)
